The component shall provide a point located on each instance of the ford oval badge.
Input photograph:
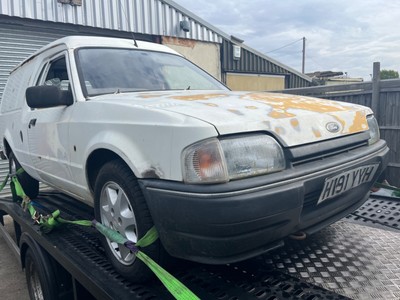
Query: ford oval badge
(332, 127)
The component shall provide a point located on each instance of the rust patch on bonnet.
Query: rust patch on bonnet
(147, 96)
(277, 114)
(295, 123)
(280, 130)
(199, 97)
(359, 122)
(282, 103)
(211, 104)
(317, 133)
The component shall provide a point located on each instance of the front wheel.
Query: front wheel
(120, 205)
(29, 184)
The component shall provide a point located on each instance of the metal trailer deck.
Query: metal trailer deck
(356, 258)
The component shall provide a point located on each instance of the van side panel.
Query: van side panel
(11, 112)
(14, 93)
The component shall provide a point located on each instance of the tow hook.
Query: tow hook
(298, 236)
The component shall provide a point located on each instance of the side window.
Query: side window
(57, 74)
(54, 73)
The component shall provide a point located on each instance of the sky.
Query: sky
(341, 35)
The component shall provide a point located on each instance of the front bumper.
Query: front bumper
(230, 222)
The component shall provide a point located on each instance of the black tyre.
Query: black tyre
(39, 276)
(119, 204)
(29, 184)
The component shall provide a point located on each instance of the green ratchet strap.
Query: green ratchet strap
(174, 286)
(48, 223)
(5, 181)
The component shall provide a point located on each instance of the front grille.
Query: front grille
(321, 150)
(321, 156)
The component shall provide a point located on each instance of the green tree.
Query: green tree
(389, 74)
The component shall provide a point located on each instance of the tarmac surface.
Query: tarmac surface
(12, 277)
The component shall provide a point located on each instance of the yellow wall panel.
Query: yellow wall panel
(250, 82)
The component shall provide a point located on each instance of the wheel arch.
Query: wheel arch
(96, 160)
(27, 242)
(7, 147)
(103, 153)
(9, 143)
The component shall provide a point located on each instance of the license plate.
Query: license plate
(345, 181)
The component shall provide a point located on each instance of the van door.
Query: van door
(47, 128)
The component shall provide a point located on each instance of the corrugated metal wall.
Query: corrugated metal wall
(251, 62)
(17, 45)
(3, 174)
(153, 17)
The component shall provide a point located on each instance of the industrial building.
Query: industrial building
(27, 25)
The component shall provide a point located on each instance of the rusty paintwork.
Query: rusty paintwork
(295, 123)
(179, 41)
(199, 97)
(294, 120)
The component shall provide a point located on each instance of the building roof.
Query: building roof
(155, 17)
(234, 39)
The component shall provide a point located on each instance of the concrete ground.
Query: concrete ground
(12, 277)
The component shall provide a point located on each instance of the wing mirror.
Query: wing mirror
(44, 96)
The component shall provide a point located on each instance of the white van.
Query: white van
(147, 138)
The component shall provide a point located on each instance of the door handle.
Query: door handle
(32, 123)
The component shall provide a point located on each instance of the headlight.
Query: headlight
(373, 130)
(203, 162)
(214, 160)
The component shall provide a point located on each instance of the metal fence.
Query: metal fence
(383, 96)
